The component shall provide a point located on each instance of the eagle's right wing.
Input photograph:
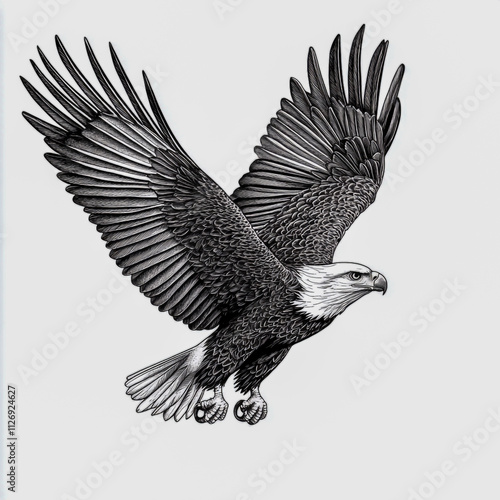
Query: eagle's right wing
(168, 224)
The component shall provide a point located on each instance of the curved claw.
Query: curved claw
(251, 411)
(211, 410)
(237, 407)
(199, 418)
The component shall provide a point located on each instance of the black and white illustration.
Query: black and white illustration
(249, 250)
(258, 266)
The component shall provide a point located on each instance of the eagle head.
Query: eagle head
(327, 290)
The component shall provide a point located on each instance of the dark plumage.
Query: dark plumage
(257, 266)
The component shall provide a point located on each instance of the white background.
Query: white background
(220, 73)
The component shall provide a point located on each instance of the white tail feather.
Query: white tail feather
(169, 386)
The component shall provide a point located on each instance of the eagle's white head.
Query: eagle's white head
(326, 291)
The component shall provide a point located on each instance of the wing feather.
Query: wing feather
(82, 103)
(374, 78)
(335, 72)
(354, 77)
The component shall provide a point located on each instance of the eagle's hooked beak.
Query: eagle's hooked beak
(379, 283)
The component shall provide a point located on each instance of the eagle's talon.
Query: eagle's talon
(211, 410)
(253, 410)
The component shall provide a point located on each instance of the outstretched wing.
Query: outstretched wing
(322, 161)
(168, 224)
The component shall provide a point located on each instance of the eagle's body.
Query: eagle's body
(270, 325)
(256, 266)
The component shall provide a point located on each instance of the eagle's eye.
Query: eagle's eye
(354, 276)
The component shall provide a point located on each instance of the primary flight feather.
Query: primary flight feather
(258, 265)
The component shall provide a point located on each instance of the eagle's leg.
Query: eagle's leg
(212, 409)
(253, 410)
(249, 377)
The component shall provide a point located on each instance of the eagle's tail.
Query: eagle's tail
(169, 386)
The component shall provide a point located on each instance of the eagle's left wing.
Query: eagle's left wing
(167, 224)
(322, 161)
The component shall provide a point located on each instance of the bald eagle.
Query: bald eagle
(256, 266)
